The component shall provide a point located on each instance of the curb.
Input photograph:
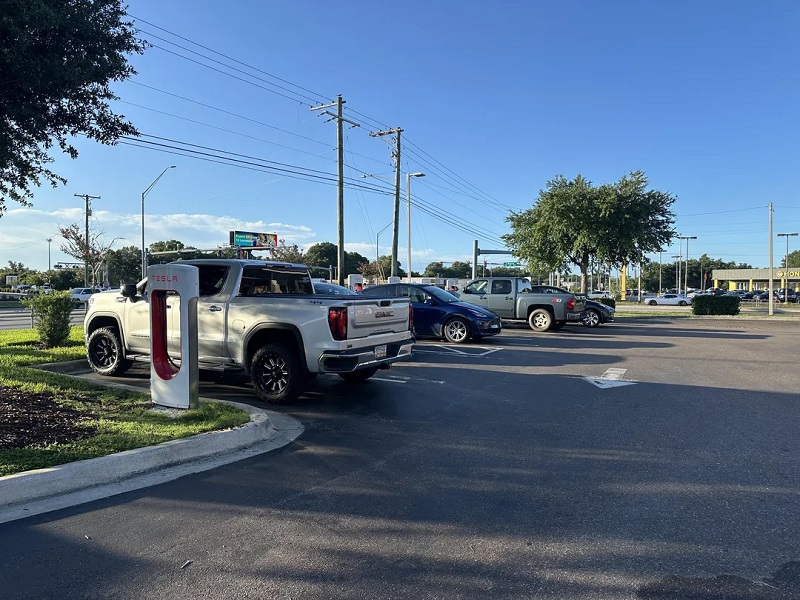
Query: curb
(43, 490)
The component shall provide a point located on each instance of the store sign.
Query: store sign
(249, 239)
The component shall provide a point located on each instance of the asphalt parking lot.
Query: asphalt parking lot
(651, 458)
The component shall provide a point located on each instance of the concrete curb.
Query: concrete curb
(36, 492)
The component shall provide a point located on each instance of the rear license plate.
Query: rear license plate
(380, 351)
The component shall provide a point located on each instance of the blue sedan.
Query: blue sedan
(439, 314)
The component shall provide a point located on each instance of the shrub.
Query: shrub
(715, 305)
(51, 316)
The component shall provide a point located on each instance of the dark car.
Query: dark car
(787, 295)
(439, 314)
(321, 287)
(597, 313)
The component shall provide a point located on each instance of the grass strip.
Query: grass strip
(112, 420)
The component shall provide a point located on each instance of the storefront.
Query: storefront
(757, 279)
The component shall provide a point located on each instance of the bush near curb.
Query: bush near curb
(715, 305)
(51, 315)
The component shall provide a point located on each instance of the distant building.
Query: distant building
(757, 279)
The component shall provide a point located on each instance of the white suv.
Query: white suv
(80, 295)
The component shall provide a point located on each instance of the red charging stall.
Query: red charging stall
(174, 374)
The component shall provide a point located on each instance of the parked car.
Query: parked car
(787, 295)
(81, 295)
(670, 300)
(332, 288)
(439, 314)
(599, 294)
(764, 296)
(697, 293)
(597, 313)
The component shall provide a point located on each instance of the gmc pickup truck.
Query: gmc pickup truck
(262, 317)
(544, 307)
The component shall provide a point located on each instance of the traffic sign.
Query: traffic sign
(510, 264)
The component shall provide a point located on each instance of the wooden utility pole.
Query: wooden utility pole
(395, 230)
(87, 198)
(340, 154)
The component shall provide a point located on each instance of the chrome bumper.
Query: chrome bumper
(349, 360)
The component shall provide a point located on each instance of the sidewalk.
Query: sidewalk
(44, 490)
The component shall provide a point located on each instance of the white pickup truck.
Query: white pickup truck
(259, 316)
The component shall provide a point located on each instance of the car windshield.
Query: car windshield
(440, 294)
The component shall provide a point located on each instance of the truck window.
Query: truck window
(212, 279)
(476, 287)
(523, 286)
(501, 286)
(268, 280)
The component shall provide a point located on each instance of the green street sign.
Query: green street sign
(510, 264)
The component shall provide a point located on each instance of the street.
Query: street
(650, 458)
(20, 318)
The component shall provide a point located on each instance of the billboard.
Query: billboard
(248, 239)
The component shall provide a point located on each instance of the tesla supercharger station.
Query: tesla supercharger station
(172, 384)
(354, 279)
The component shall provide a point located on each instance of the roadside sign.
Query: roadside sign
(252, 239)
(510, 264)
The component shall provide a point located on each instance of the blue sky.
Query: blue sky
(495, 99)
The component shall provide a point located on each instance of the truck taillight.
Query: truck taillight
(337, 321)
(571, 304)
(410, 318)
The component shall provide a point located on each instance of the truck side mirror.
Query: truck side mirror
(128, 290)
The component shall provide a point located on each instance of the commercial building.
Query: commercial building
(757, 279)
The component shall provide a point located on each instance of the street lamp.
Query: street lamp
(786, 265)
(49, 240)
(686, 274)
(677, 258)
(408, 215)
(144, 193)
(377, 251)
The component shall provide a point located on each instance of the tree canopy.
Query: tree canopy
(574, 221)
(58, 58)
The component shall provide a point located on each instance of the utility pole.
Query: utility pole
(49, 240)
(340, 159)
(395, 230)
(87, 198)
(771, 303)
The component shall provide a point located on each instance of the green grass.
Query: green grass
(121, 420)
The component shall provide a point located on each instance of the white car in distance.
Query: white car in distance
(670, 300)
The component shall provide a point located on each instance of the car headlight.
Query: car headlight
(480, 314)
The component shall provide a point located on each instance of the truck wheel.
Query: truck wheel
(276, 374)
(105, 353)
(540, 320)
(456, 331)
(360, 375)
(592, 318)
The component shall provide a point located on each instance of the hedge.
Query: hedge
(715, 305)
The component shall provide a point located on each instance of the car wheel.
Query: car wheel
(105, 352)
(652, 302)
(592, 318)
(276, 373)
(361, 375)
(682, 303)
(540, 320)
(456, 331)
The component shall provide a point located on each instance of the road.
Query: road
(20, 318)
(490, 470)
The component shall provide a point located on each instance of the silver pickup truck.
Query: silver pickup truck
(261, 317)
(544, 307)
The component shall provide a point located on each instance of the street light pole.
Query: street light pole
(686, 274)
(408, 216)
(677, 258)
(786, 266)
(51, 239)
(144, 193)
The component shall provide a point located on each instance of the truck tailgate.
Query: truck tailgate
(375, 316)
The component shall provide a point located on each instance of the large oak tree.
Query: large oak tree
(573, 222)
(57, 60)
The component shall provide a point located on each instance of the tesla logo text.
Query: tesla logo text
(165, 278)
(384, 313)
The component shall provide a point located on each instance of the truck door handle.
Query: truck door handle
(214, 309)
(509, 298)
(482, 297)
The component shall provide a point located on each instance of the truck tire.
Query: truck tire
(540, 319)
(276, 373)
(456, 331)
(360, 375)
(105, 352)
